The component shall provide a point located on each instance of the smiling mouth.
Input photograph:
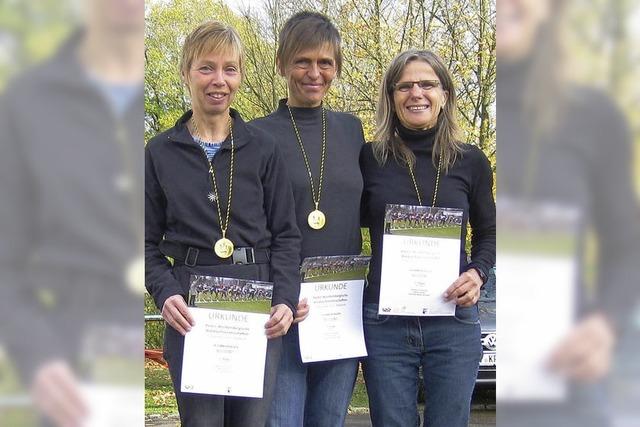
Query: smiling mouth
(216, 96)
(418, 107)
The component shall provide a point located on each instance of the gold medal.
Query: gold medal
(134, 276)
(223, 248)
(316, 219)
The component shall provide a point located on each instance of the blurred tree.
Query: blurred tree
(30, 31)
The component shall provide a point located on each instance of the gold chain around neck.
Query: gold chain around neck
(224, 225)
(315, 196)
(435, 190)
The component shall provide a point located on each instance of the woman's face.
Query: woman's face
(518, 22)
(213, 81)
(418, 96)
(309, 76)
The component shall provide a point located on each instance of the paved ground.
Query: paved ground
(479, 418)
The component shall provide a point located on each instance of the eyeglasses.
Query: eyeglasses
(422, 84)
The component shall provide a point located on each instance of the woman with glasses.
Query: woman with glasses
(321, 149)
(219, 203)
(417, 159)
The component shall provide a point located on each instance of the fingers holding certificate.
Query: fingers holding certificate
(225, 351)
(332, 289)
(465, 291)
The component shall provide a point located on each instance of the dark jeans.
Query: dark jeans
(448, 349)
(311, 394)
(199, 410)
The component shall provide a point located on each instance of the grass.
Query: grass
(545, 244)
(158, 390)
(452, 232)
(256, 306)
(356, 274)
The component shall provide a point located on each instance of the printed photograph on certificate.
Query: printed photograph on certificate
(224, 293)
(423, 221)
(329, 268)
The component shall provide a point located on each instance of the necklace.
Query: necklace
(316, 218)
(435, 190)
(223, 247)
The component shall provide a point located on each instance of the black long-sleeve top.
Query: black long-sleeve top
(177, 207)
(467, 186)
(342, 184)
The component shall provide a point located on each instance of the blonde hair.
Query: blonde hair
(211, 36)
(386, 139)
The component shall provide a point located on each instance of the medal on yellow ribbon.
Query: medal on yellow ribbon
(223, 247)
(316, 219)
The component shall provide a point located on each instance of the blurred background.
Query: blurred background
(74, 115)
(568, 299)
(71, 266)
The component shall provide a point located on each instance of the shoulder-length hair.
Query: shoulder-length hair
(388, 142)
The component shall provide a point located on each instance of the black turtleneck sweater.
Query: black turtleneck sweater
(342, 183)
(467, 186)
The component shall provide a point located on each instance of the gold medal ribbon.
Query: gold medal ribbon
(223, 247)
(435, 190)
(316, 218)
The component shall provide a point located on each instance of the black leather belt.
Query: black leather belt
(191, 256)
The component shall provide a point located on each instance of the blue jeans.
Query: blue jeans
(448, 349)
(310, 394)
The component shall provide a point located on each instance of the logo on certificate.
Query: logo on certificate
(386, 309)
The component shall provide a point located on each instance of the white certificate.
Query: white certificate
(333, 329)
(533, 285)
(224, 353)
(113, 405)
(537, 267)
(420, 260)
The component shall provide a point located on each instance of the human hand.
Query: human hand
(465, 291)
(279, 322)
(56, 393)
(176, 313)
(585, 353)
(302, 311)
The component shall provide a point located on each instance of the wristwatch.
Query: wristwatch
(482, 275)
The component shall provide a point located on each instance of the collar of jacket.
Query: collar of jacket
(180, 132)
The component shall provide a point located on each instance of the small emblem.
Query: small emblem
(211, 197)
(489, 342)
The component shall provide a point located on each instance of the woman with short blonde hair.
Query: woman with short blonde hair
(219, 203)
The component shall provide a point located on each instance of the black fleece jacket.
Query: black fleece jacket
(177, 208)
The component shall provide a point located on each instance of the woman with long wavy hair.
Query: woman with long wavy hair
(417, 159)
